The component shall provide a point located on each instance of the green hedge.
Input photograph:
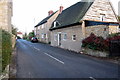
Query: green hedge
(6, 48)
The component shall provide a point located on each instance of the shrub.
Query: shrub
(93, 42)
(99, 43)
(6, 48)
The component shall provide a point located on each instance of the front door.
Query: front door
(59, 39)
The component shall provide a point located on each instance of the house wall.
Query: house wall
(101, 7)
(45, 29)
(68, 43)
(113, 29)
(5, 15)
(98, 30)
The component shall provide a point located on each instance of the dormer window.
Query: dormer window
(55, 24)
(102, 17)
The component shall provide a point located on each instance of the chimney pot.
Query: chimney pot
(61, 9)
(50, 12)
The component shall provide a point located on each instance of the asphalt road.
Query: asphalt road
(37, 60)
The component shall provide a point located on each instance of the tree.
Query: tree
(14, 30)
(25, 36)
(30, 35)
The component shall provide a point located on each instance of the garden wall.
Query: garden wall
(95, 52)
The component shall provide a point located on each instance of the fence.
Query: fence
(115, 48)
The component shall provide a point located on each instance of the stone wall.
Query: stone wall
(113, 29)
(5, 15)
(13, 41)
(101, 7)
(68, 43)
(95, 52)
(98, 30)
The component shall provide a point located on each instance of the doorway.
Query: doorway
(59, 39)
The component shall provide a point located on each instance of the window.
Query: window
(45, 36)
(42, 35)
(74, 37)
(55, 37)
(55, 24)
(42, 26)
(38, 27)
(102, 17)
(65, 36)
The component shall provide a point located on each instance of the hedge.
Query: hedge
(99, 43)
(6, 48)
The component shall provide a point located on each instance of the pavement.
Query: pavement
(38, 60)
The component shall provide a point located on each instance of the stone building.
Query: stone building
(42, 28)
(5, 15)
(80, 20)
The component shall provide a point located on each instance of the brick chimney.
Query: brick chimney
(61, 9)
(50, 12)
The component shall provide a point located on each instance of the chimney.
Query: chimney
(50, 12)
(61, 9)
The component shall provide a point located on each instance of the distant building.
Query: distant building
(5, 15)
(20, 34)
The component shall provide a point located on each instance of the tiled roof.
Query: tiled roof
(44, 20)
(73, 14)
(19, 32)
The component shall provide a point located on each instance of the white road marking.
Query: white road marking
(54, 58)
(92, 78)
(37, 49)
(51, 56)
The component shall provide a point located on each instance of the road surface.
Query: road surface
(37, 60)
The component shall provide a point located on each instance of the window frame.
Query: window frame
(102, 17)
(42, 26)
(55, 37)
(54, 24)
(74, 37)
(64, 37)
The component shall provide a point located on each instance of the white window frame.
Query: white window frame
(46, 36)
(54, 25)
(102, 17)
(55, 37)
(42, 26)
(73, 37)
(42, 36)
(64, 36)
(38, 27)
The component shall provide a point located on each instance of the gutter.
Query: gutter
(65, 26)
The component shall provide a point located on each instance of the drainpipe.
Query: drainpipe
(83, 29)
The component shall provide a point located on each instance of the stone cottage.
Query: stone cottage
(5, 15)
(42, 29)
(71, 26)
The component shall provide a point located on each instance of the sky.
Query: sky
(28, 13)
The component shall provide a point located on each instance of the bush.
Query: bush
(114, 34)
(99, 43)
(93, 42)
(6, 48)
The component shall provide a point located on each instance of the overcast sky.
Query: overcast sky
(27, 13)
